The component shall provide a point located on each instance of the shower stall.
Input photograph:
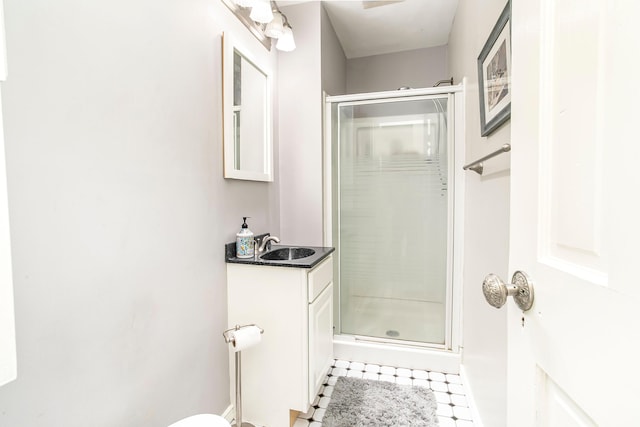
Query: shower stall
(391, 214)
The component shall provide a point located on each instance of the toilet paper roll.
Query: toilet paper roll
(246, 337)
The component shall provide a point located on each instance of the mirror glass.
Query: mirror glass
(247, 115)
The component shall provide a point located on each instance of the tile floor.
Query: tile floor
(453, 408)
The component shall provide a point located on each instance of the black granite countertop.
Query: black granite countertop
(308, 262)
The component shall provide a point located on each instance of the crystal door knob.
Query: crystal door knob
(521, 289)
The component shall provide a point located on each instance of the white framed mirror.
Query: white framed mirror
(248, 145)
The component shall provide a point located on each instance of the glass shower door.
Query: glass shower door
(393, 217)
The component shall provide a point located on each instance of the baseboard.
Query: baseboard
(477, 420)
(228, 414)
(347, 348)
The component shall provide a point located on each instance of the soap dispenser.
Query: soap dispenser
(244, 241)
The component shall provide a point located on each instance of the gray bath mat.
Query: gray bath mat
(367, 403)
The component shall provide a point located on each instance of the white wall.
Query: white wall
(414, 68)
(486, 219)
(300, 99)
(119, 212)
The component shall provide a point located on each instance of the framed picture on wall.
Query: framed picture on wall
(494, 75)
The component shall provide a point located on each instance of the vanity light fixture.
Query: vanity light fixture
(261, 12)
(245, 3)
(285, 42)
(275, 28)
(274, 22)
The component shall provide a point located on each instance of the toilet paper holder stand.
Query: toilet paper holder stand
(230, 339)
(228, 336)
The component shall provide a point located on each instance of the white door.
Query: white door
(574, 358)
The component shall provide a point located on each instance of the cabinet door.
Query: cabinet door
(320, 339)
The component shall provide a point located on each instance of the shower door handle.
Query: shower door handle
(521, 289)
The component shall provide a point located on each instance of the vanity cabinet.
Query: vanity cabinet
(294, 306)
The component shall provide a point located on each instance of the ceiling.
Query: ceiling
(375, 27)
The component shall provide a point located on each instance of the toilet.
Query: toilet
(202, 420)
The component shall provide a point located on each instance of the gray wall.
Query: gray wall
(300, 94)
(334, 61)
(119, 211)
(414, 68)
(486, 241)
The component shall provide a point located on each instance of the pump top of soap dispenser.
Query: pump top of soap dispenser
(244, 223)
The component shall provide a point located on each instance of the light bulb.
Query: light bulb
(245, 3)
(274, 28)
(261, 12)
(286, 42)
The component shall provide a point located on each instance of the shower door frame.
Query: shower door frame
(455, 147)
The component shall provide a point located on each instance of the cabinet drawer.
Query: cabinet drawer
(320, 277)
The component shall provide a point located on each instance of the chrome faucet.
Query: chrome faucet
(266, 243)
